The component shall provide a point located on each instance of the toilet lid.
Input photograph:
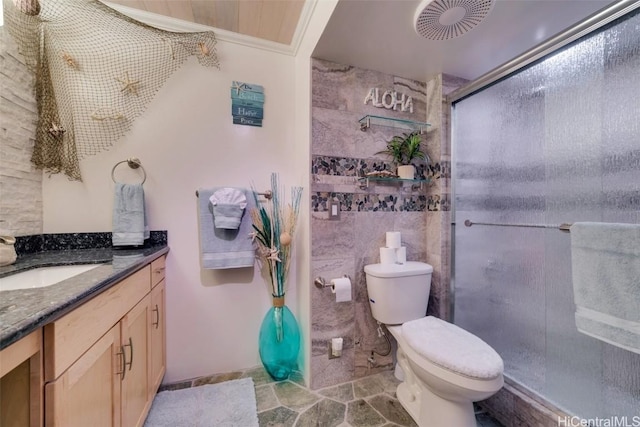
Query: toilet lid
(452, 348)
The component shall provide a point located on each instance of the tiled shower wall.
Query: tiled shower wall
(341, 153)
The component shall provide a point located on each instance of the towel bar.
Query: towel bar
(562, 227)
(267, 194)
(134, 163)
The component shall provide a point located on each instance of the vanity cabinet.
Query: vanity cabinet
(135, 346)
(158, 330)
(105, 360)
(21, 382)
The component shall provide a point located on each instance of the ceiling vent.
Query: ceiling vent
(448, 19)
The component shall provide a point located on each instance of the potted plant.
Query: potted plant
(403, 150)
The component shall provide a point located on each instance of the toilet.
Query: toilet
(445, 368)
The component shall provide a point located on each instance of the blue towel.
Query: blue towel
(129, 217)
(224, 248)
(605, 262)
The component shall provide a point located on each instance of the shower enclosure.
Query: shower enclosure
(555, 142)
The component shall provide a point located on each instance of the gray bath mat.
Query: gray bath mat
(227, 404)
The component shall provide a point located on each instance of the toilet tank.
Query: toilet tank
(398, 292)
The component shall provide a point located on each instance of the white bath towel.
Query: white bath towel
(605, 262)
(224, 248)
(129, 217)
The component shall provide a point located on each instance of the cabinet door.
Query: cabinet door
(158, 338)
(135, 343)
(88, 393)
(21, 391)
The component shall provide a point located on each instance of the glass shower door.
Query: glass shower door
(557, 142)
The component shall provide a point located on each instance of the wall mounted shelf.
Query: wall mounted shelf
(365, 181)
(367, 121)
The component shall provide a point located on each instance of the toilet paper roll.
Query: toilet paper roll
(342, 288)
(401, 255)
(393, 239)
(387, 256)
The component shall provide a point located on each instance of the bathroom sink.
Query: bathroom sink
(43, 276)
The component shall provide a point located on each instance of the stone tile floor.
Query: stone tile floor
(365, 402)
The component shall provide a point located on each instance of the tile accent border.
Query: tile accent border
(349, 166)
(358, 202)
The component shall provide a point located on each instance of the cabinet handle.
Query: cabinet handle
(124, 363)
(130, 363)
(158, 270)
(157, 321)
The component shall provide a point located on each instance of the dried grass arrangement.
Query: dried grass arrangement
(274, 224)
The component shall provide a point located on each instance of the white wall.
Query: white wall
(321, 14)
(186, 140)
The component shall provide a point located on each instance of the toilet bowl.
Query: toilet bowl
(445, 368)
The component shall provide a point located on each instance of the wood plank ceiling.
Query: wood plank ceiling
(273, 20)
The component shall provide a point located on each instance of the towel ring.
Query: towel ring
(134, 163)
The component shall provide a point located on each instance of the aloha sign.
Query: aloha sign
(390, 99)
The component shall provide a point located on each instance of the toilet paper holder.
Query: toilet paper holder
(321, 283)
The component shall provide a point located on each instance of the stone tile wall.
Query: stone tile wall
(341, 153)
(20, 183)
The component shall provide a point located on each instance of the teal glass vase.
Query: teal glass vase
(279, 341)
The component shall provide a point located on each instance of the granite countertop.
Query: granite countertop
(24, 310)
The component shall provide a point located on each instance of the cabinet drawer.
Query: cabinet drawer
(157, 270)
(66, 339)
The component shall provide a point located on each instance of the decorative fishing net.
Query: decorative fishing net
(96, 70)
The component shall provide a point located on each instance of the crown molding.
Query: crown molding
(303, 23)
(176, 25)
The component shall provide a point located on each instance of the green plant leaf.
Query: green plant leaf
(403, 149)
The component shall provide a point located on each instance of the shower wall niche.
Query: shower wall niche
(556, 142)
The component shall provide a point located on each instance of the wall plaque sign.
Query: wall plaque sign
(247, 104)
(389, 99)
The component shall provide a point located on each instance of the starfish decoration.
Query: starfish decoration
(273, 255)
(204, 49)
(130, 86)
(56, 130)
(71, 62)
(238, 87)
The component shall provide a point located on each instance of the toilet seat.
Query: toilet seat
(452, 348)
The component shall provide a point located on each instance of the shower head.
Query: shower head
(448, 19)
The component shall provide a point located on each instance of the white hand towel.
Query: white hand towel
(228, 207)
